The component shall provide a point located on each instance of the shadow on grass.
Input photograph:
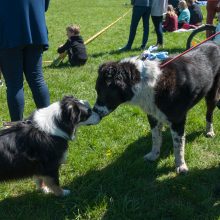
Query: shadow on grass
(113, 52)
(128, 188)
(175, 51)
(62, 65)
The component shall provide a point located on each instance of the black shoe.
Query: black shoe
(125, 48)
(143, 47)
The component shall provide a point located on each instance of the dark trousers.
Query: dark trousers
(16, 62)
(75, 61)
(138, 13)
(157, 21)
(211, 12)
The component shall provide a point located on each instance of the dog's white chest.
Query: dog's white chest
(145, 98)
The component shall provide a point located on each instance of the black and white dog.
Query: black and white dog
(38, 146)
(165, 94)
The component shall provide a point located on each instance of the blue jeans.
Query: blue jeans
(157, 21)
(16, 61)
(138, 13)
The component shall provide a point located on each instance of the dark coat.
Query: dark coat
(196, 16)
(75, 48)
(23, 23)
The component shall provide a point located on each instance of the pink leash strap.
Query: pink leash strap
(191, 48)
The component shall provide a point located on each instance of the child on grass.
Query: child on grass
(184, 16)
(74, 46)
(171, 20)
(196, 16)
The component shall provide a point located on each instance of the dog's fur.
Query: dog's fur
(37, 146)
(165, 94)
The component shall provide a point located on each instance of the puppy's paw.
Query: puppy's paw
(66, 192)
(210, 134)
(182, 169)
(151, 156)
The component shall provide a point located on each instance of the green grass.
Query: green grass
(105, 170)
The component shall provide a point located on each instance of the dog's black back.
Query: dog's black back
(26, 151)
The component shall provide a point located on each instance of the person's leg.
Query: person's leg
(211, 11)
(11, 62)
(136, 16)
(157, 21)
(145, 18)
(34, 75)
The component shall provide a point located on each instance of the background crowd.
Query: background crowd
(23, 45)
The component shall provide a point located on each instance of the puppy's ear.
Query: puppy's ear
(119, 77)
(74, 112)
(70, 109)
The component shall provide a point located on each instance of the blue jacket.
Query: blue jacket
(184, 16)
(22, 22)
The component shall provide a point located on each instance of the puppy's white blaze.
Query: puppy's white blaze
(92, 120)
(44, 119)
(144, 91)
(103, 110)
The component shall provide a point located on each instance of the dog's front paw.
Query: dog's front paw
(151, 156)
(66, 192)
(210, 134)
(182, 169)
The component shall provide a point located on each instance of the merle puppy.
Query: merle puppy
(165, 94)
(37, 146)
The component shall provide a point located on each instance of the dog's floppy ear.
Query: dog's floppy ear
(131, 72)
(70, 108)
(119, 77)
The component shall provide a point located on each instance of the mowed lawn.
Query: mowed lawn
(105, 170)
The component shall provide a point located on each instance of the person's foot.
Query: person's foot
(160, 46)
(155, 47)
(125, 48)
(143, 47)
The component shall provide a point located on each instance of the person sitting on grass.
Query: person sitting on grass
(171, 20)
(74, 47)
(196, 16)
(184, 16)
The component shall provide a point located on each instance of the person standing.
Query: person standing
(158, 8)
(212, 8)
(23, 39)
(141, 9)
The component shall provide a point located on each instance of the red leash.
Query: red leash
(164, 64)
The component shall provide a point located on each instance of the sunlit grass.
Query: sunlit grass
(105, 170)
